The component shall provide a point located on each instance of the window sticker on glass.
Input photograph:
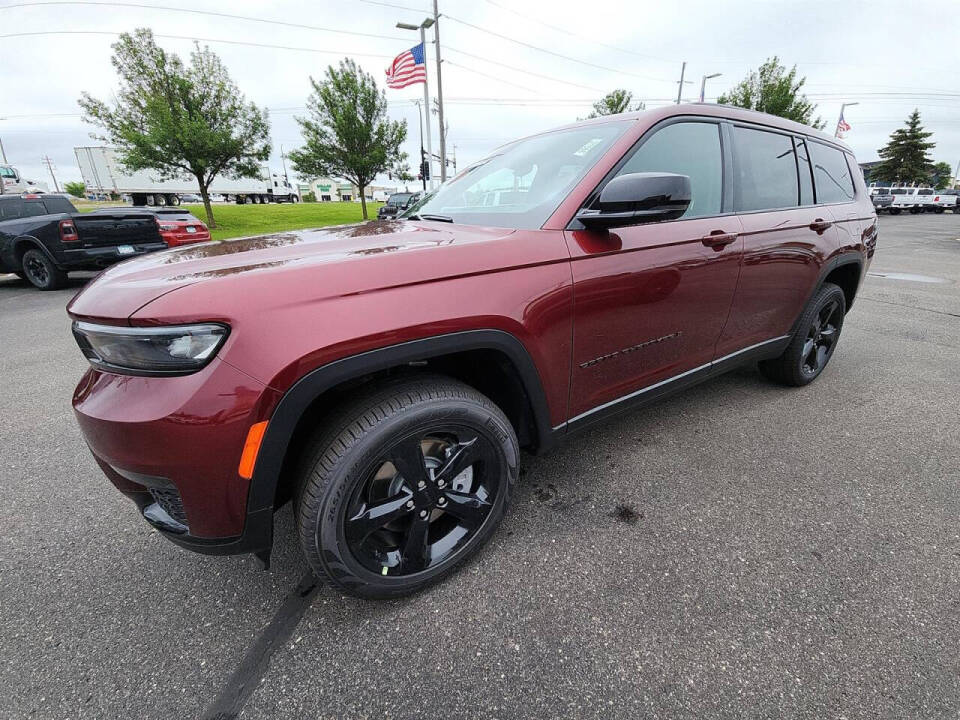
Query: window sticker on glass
(588, 146)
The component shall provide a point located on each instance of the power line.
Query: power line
(211, 13)
(200, 39)
(554, 54)
(518, 69)
(575, 35)
(492, 77)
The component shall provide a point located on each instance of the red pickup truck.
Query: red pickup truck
(385, 376)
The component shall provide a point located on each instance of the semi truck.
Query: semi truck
(104, 174)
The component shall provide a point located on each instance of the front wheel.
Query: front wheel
(813, 342)
(404, 485)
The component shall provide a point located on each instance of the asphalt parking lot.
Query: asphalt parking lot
(777, 553)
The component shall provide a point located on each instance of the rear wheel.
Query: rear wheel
(813, 342)
(41, 272)
(894, 211)
(404, 485)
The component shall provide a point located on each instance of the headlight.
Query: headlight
(169, 350)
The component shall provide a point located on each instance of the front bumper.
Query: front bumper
(172, 445)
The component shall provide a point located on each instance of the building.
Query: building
(332, 190)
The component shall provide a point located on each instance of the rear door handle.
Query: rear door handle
(718, 239)
(820, 225)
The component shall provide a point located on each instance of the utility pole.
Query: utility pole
(283, 159)
(443, 130)
(3, 153)
(683, 70)
(49, 163)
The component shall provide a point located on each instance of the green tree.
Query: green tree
(615, 102)
(77, 189)
(940, 175)
(775, 90)
(179, 120)
(347, 132)
(905, 158)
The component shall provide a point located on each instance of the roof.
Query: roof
(728, 112)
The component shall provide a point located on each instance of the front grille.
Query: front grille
(169, 500)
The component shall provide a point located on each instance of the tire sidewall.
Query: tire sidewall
(827, 293)
(329, 546)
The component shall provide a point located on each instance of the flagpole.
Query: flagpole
(426, 102)
(836, 133)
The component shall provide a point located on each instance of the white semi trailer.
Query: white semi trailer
(103, 173)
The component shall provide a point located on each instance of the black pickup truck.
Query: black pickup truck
(42, 237)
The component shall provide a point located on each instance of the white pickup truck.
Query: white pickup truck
(944, 200)
(13, 183)
(914, 199)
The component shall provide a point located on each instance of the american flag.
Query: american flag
(408, 68)
(842, 126)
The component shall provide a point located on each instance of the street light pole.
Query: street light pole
(703, 84)
(443, 130)
(836, 133)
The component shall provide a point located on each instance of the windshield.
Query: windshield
(7, 172)
(521, 184)
(899, 191)
(399, 199)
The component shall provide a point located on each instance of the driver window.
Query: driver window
(686, 148)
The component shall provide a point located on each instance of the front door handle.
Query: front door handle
(718, 239)
(820, 225)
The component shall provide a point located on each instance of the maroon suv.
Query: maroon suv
(385, 376)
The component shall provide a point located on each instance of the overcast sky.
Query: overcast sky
(500, 79)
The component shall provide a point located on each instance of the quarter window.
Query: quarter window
(831, 174)
(33, 208)
(766, 170)
(686, 148)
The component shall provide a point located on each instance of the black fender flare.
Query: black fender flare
(32, 242)
(300, 396)
(852, 257)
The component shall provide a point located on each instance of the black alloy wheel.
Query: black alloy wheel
(814, 341)
(821, 338)
(40, 270)
(403, 484)
(422, 501)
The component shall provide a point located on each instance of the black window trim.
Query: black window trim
(726, 167)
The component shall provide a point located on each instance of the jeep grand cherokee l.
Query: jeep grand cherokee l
(385, 376)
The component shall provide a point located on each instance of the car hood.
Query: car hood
(324, 262)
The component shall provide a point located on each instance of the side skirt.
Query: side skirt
(652, 393)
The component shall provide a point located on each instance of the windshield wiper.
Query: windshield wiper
(423, 216)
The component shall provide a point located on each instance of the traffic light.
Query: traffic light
(425, 170)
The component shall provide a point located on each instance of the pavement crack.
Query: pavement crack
(912, 307)
(240, 686)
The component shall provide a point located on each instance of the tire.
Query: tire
(41, 272)
(894, 211)
(814, 340)
(939, 210)
(173, 200)
(468, 466)
(294, 199)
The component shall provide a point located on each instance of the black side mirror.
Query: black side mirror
(638, 198)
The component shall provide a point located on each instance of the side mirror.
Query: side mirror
(638, 198)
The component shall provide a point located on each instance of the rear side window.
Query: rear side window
(766, 170)
(686, 148)
(831, 173)
(925, 192)
(10, 209)
(805, 172)
(33, 208)
(57, 205)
